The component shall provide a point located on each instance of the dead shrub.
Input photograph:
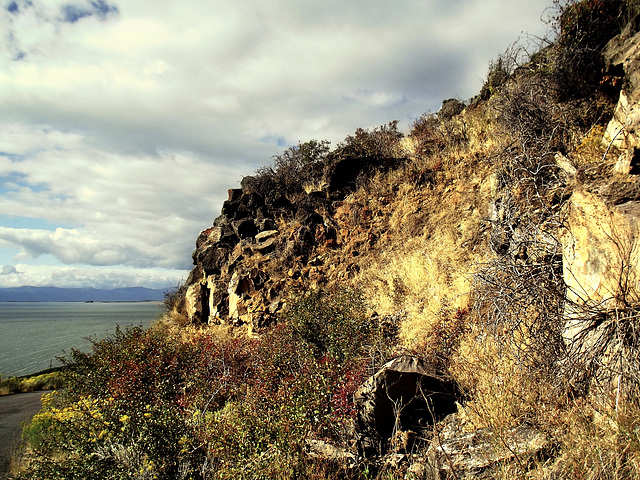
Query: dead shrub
(433, 134)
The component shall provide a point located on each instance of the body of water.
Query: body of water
(33, 334)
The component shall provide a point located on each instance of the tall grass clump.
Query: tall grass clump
(47, 380)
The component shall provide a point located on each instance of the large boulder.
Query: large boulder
(211, 259)
(455, 453)
(406, 394)
(601, 263)
(213, 245)
(196, 303)
(601, 260)
(218, 299)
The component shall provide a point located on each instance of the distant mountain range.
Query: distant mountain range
(57, 294)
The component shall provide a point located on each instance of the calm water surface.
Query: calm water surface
(33, 334)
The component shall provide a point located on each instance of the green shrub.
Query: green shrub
(300, 164)
(9, 385)
(292, 169)
(497, 76)
(172, 297)
(48, 380)
(165, 404)
(333, 323)
(377, 144)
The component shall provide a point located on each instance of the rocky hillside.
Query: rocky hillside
(504, 228)
(540, 167)
(461, 300)
(284, 232)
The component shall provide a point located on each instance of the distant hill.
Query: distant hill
(57, 294)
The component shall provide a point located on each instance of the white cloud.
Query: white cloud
(87, 276)
(124, 123)
(123, 209)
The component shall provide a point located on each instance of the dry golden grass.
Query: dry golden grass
(504, 393)
(435, 231)
(590, 437)
(593, 442)
(418, 282)
(435, 237)
(190, 332)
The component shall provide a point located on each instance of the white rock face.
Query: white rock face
(601, 256)
(623, 130)
(192, 301)
(601, 245)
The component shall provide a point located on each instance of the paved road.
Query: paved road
(14, 409)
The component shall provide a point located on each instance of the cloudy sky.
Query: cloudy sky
(123, 123)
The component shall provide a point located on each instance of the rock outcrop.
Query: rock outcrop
(405, 396)
(601, 251)
(407, 415)
(264, 240)
(457, 453)
(575, 225)
(622, 58)
(600, 254)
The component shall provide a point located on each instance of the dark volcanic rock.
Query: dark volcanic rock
(245, 227)
(308, 218)
(343, 173)
(280, 203)
(405, 395)
(252, 201)
(229, 208)
(212, 259)
(450, 108)
(266, 224)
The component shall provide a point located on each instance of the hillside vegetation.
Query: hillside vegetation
(493, 248)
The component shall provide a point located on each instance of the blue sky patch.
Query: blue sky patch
(103, 8)
(30, 223)
(280, 141)
(13, 180)
(7, 255)
(71, 13)
(14, 157)
(17, 7)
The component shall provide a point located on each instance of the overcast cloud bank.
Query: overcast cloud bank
(124, 123)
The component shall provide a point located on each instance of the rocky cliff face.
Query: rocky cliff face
(265, 244)
(268, 242)
(600, 241)
(601, 245)
(500, 239)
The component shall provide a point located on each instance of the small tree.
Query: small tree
(296, 166)
(378, 143)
